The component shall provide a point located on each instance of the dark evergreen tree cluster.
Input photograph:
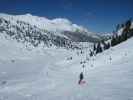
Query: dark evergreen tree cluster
(106, 45)
(126, 33)
(99, 47)
(96, 49)
(116, 39)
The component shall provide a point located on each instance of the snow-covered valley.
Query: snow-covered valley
(50, 74)
(41, 59)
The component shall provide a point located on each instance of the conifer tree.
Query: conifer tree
(99, 48)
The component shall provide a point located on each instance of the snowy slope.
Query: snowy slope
(49, 74)
(55, 26)
(25, 33)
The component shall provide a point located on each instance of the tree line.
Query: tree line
(126, 33)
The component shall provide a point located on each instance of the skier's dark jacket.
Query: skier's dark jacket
(81, 76)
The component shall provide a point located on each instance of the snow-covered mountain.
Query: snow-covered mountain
(35, 72)
(50, 74)
(58, 24)
(36, 30)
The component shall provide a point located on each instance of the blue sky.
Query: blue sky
(96, 15)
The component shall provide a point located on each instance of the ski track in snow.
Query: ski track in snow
(48, 75)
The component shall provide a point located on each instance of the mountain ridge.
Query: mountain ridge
(35, 29)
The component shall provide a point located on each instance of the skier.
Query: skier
(81, 77)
